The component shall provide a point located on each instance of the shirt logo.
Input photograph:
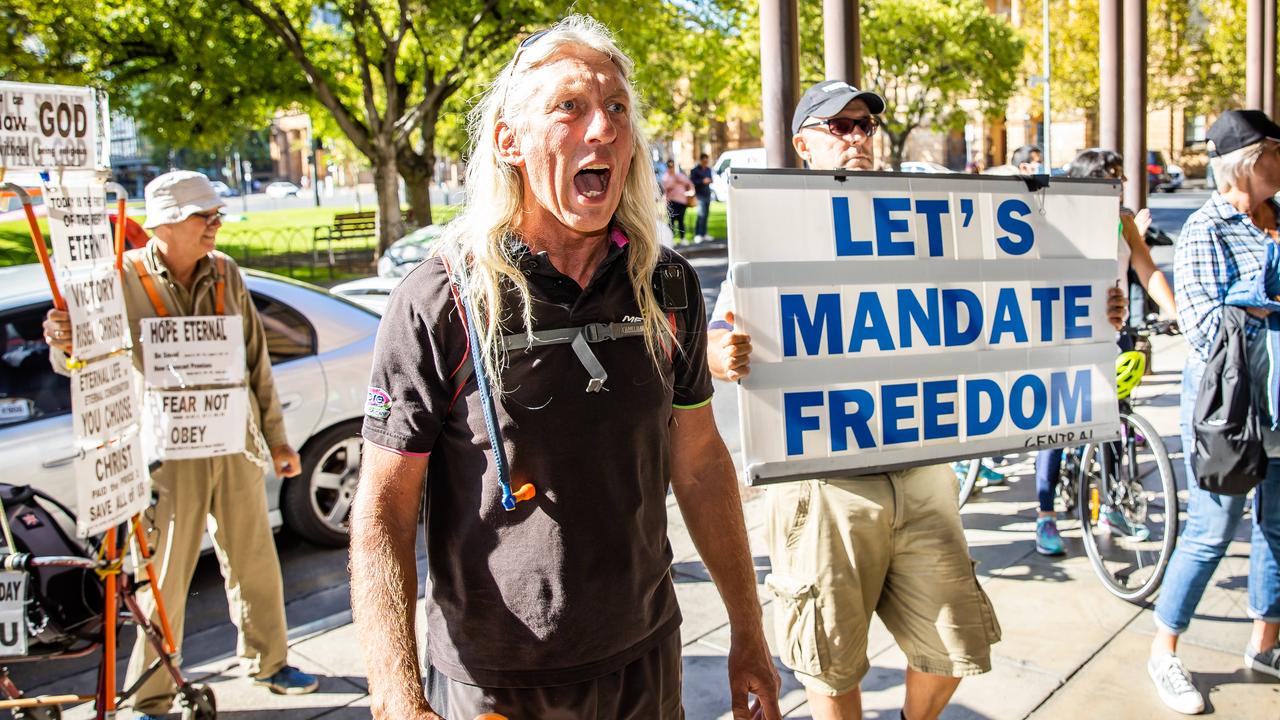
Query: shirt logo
(631, 319)
(377, 404)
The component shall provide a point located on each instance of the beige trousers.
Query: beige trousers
(225, 495)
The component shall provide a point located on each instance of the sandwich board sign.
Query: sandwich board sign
(907, 320)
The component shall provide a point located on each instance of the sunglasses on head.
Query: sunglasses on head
(845, 125)
(515, 60)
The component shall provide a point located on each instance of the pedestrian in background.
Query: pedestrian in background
(701, 177)
(679, 192)
(1135, 256)
(1222, 243)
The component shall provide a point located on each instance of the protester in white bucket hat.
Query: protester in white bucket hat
(180, 274)
(176, 196)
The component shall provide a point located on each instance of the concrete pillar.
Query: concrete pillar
(779, 78)
(1135, 103)
(1110, 76)
(1254, 63)
(842, 41)
(1269, 57)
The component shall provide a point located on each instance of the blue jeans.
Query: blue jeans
(1211, 524)
(704, 212)
(1048, 469)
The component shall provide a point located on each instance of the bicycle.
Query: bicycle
(1126, 494)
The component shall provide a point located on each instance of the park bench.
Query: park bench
(351, 232)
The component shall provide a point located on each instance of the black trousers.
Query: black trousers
(648, 688)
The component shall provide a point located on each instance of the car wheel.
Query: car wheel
(317, 503)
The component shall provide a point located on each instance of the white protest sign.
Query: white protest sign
(185, 424)
(112, 485)
(898, 321)
(80, 231)
(104, 398)
(13, 614)
(198, 350)
(49, 127)
(95, 300)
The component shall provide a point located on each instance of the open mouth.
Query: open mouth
(592, 180)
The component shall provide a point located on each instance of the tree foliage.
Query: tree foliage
(193, 73)
(925, 56)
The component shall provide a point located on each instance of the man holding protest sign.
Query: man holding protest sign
(846, 547)
(213, 417)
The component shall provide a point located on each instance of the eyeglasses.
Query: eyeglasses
(210, 218)
(515, 61)
(845, 125)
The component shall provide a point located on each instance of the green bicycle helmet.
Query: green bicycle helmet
(1130, 367)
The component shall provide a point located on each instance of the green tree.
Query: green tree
(193, 74)
(925, 56)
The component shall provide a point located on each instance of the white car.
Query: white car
(321, 353)
(924, 166)
(729, 159)
(282, 189)
(372, 293)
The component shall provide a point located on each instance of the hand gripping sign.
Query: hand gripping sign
(901, 321)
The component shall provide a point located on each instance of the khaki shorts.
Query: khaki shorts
(891, 544)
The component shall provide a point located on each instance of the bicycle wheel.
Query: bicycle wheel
(1128, 509)
(970, 469)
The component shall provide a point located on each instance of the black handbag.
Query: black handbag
(1229, 456)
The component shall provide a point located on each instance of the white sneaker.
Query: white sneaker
(1265, 662)
(1174, 685)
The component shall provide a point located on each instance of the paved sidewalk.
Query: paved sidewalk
(1070, 650)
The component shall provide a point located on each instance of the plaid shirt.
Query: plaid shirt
(1218, 246)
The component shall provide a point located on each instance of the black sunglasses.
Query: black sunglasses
(845, 125)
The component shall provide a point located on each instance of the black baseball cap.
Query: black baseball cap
(1235, 129)
(828, 98)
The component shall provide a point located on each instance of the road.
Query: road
(316, 579)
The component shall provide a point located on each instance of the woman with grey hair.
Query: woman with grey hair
(1222, 243)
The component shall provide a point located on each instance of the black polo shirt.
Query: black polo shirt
(574, 583)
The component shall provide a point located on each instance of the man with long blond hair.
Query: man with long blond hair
(540, 384)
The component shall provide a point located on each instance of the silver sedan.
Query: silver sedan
(321, 351)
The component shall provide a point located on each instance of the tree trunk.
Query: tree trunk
(897, 142)
(418, 172)
(386, 182)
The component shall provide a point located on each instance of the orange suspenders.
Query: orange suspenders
(220, 304)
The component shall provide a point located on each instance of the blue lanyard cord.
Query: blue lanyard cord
(486, 404)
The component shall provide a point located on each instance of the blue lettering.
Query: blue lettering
(1071, 401)
(952, 299)
(1022, 419)
(974, 423)
(1011, 224)
(869, 323)
(894, 414)
(846, 246)
(842, 421)
(887, 225)
(1008, 317)
(1074, 310)
(797, 422)
(923, 317)
(826, 316)
(934, 406)
(1046, 297)
(933, 210)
